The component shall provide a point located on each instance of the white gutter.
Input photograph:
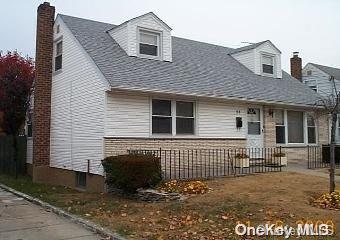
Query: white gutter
(217, 97)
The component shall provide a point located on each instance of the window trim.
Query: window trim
(305, 129)
(263, 54)
(173, 118)
(159, 42)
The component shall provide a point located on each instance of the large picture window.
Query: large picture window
(295, 127)
(161, 116)
(173, 117)
(280, 126)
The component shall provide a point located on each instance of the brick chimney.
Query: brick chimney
(42, 86)
(296, 66)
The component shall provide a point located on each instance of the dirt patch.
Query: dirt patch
(259, 198)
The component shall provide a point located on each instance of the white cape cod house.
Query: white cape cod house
(134, 85)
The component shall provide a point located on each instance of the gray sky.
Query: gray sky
(309, 26)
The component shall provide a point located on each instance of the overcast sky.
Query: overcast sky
(309, 26)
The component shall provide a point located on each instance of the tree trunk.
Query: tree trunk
(332, 154)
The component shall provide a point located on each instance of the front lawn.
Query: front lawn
(258, 198)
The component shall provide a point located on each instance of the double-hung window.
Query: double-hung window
(267, 64)
(173, 117)
(149, 43)
(58, 56)
(185, 120)
(161, 116)
(311, 129)
(280, 127)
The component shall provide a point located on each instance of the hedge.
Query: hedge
(130, 172)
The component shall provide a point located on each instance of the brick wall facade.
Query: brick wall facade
(115, 146)
(269, 128)
(42, 85)
(294, 153)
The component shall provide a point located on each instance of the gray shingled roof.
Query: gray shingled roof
(335, 72)
(199, 69)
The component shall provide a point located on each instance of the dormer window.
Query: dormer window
(267, 64)
(149, 44)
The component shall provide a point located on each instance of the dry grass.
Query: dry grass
(258, 198)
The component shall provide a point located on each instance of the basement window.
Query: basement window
(58, 56)
(149, 43)
(267, 64)
(81, 179)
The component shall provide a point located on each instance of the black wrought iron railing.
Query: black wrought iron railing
(319, 156)
(210, 163)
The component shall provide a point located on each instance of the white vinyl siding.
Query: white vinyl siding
(218, 120)
(247, 58)
(127, 115)
(120, 35)
(29, 151)
(77, 110)
(130, 116)
(252, 59)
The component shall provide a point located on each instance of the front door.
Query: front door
(255, 126)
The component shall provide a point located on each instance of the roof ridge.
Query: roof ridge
(86, 19)
(113, 25)
(316, 64)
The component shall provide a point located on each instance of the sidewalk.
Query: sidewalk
(298, 168)
(20, 219)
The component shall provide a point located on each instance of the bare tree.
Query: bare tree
(331, 106)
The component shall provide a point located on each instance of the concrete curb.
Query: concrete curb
(85, 223)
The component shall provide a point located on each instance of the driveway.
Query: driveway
(22, 220)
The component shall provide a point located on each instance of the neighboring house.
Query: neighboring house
(320, 79)
(102, 89)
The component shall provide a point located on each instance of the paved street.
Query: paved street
(22, 220)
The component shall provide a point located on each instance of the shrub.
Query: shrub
(279, 154)
(130, 172)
